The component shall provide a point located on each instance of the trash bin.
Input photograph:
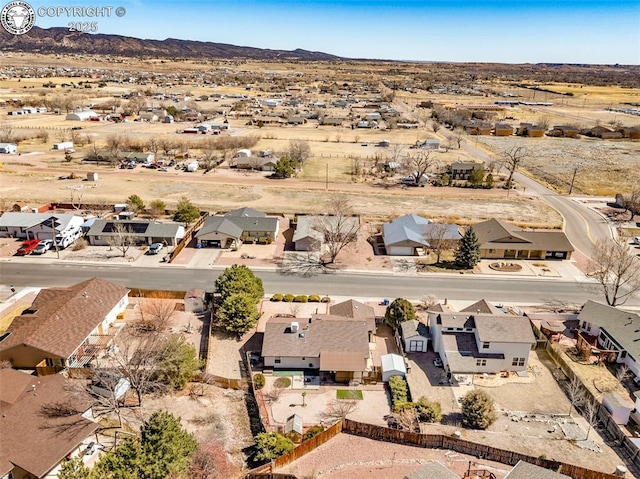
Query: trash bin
(385, 301)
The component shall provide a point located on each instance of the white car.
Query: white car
(43, 246)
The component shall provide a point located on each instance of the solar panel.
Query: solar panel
(136, 228)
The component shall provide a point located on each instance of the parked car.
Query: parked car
(27, 247)
(43, 246)
(155, 248)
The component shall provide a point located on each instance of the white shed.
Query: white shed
(244, 153)
(392, 365)
(8, 148)
(619, 407)
(64, 145)
(82, 115)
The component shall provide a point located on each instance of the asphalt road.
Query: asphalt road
(463, 287)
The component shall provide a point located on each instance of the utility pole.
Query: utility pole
(573, 179)
(326, 181)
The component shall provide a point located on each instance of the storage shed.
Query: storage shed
(415, 336)
(392, 365)
(619, 407)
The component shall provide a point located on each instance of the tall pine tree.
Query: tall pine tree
(468, 252)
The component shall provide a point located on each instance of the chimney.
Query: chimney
(294, 326)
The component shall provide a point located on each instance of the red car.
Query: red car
(27, 247)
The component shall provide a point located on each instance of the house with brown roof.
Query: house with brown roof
(33, 445)
(481, 342)
(334, 347)
(64, 327)
(500, 240)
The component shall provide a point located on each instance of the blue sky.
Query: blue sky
(511, 31)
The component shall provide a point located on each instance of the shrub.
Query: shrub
(80, 244)
(399, 393)
(277, 297)
(312, 432)
(259, 381)
(289, 298)
(301, 298)
(478, 410)
(314, 298)
(325, 299)
(282, 382)
(271, 445)
(428, 411)
(264, 240)
(249, 240)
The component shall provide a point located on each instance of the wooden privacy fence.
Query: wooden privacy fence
(188, 235)
(381, 433)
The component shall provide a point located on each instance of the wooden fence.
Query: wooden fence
(381, 433)
(188, 236)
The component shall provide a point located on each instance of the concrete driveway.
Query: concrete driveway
(427, 380)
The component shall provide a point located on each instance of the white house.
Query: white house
(38, 225)
(8, 148)
(244, 153)
(83, 115)
(481, 343)
(415, 336)
(64, 145)
(616, 330)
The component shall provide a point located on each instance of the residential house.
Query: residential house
(481, 342)
(433, 470)
(502, 129)
(500, 240)
(256, 163)
(415, 336)
(334, 347)
(616, 330)
(309, 234)
(525, 470)
(353, 309)
(102, 232)
(38, 225)
(64, 327)
(243, 224)
(460, 170)
(33, 445)
(410, 235)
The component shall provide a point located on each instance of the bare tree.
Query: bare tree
(209, 155)
(155, 314)
(435, 126)
(210, 461)
(591, 408)
(417, 165)
(438, 237)
(115, 144)
(339, 228)
(339, 409)
(76, 197)
(121, 238)
(298, 151)
(106, 399)
(622, 372)
(446, 146)
(409, 419)
(458, 136)
(6, 133)
(512, 158)
(395, 153)
(575, 393)
(616, 269)
(631, 203)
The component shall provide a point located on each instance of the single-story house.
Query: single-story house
(460, 170)
(525, 470)
(392, 365)
(238, 225)
(616, 330)
(404, 235)
(38, 225)
(309, 230)
(353, 309)
(480, 342)
(141, 232)
(334, 347)
(415, 336)
(64, 327)
(500, 240)
(82, 115)
(8, 148)
(256, 163)
(33, 445)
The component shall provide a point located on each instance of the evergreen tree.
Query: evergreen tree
(468, 252)
(285, 167)
(478, 410)
(271, 445)
(179, 362)
(239, 279)
(398, 311)
(73, 469)
(135, 204)
(186, 212)
(238, 313)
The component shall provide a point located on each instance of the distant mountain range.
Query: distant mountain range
(61, 40)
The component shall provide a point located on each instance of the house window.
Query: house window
(481, 362)
(517, 362)
(485, 345)
(277, 361)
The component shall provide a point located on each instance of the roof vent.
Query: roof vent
(294, 326)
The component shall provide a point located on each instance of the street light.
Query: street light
(304, 395)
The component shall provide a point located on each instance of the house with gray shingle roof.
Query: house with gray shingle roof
(433, 470)
(237, 226)
(309, 234)
(140, 231)
(525, 470)
(38, 225)
(616, 330)
(481, 342)
(500, 240)
(415, 336)
(64, 327)
(405, 235)
(334, 347)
